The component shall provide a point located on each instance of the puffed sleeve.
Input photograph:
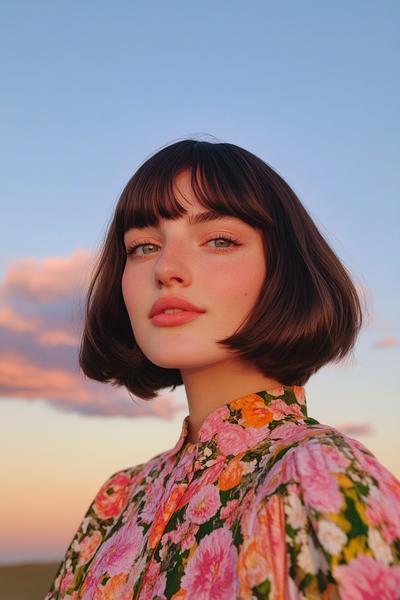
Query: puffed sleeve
(342, 513)
(103, 512)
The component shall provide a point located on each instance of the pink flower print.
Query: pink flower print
(116, 555)
(186, 460)
(66, 581)
(189, 537)
(134, 573)
(148, 467)
(383, 512)
(374, 468)
(335, 460)
(166, 470)
(213, 423)
(185, 465)
(209, 475)
(228, 513)
(281, 408)
(203, 505)
(248, 507)
(366, 461)
(175, 535)
(291, 432)
(184, 535)
(320, 487)
(113, 496)
(233, 439)
(367, 579)
(384, 500)
(255, 436)
(88, 546)
(282, 471)
(154, 583)
(211, 572)
(153, 496)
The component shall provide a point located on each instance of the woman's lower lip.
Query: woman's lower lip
(167, 320)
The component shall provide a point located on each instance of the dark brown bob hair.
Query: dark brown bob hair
(308, 312)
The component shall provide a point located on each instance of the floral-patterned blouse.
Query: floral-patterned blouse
(269, 503)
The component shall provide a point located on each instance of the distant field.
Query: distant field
(26, 581)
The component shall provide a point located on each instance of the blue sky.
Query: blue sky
(89, 91)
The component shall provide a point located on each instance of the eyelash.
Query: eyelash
(234, 241)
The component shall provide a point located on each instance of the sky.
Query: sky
(89, 91)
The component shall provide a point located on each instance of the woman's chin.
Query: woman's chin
(175, 362)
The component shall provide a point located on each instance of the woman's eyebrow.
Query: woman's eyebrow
(207, 216)
(203, 217)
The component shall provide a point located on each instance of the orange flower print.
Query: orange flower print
(255, 413)
(253, 566)
(113, 496)
(114, 588)
(232, 474)
(300, 394)
(164, 514)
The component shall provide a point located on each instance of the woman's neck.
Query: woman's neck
(211, 387)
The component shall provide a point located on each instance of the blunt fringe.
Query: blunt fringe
(308, 312)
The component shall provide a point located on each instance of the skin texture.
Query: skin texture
(186, 262)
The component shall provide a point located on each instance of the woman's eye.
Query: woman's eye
(132, 249)
(231, 241)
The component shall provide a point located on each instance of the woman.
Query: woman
(256, 499)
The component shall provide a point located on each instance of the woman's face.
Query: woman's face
(185, 261)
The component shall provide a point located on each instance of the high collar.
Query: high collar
(241, 424)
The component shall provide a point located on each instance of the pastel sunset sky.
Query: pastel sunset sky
(89, 91)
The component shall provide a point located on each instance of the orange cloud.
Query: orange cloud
(41, 303)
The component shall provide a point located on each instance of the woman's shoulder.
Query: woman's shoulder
(328, 464)
(341, 507)
(119, 487)
(114, 493)
(335, 479)
(324, 449)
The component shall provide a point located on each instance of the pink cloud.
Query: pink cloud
(57, 338)
(48, 279)
(41, 318)
(387, 342)
(355, 428)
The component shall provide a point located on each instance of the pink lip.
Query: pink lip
(169, 320)
(173, 302)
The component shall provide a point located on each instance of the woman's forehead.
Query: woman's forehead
(184, 192)
(173, 197)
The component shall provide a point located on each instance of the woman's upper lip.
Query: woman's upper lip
(172, 302)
